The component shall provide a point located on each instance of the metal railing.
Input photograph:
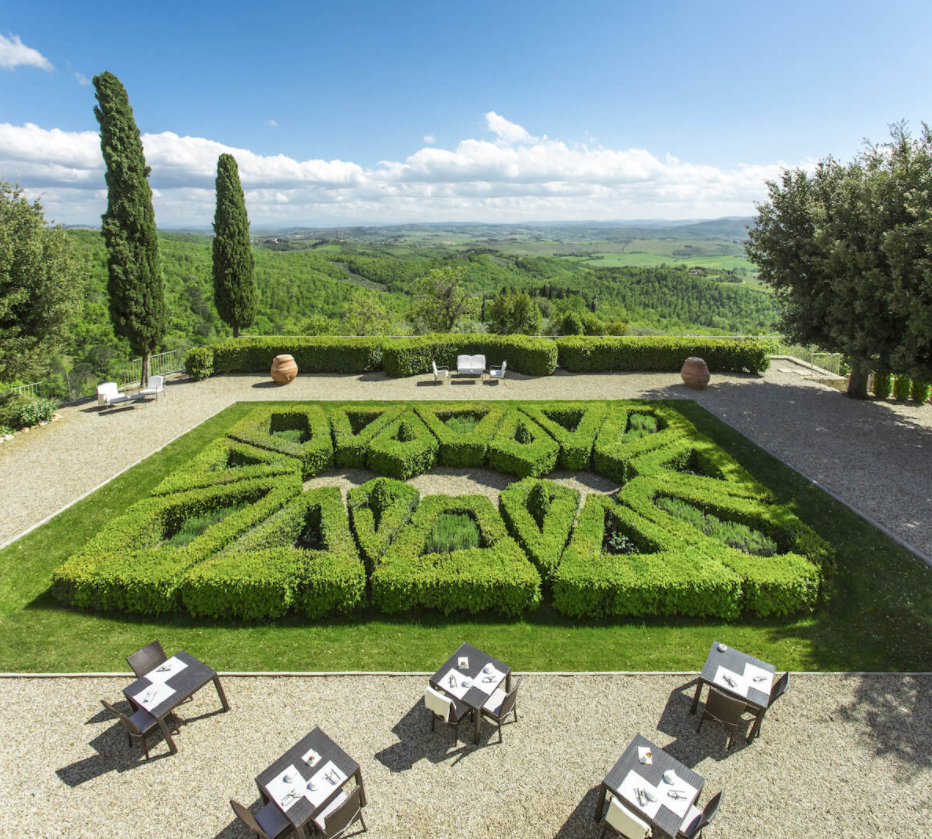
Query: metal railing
(34, 390)
(159, 365)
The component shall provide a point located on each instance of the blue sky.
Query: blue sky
(377, 112)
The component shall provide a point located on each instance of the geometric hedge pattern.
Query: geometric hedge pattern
(232, 535)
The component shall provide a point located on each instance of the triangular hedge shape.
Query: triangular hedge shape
(353, 430)
(301, 432)
(574, 425)
(521, 447)
(378, 510)
(403, 448)
(457, 448)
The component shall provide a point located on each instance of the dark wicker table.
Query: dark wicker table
(185, 683)
(735, 661)
(666, 821)
(474, 697)
(303, 812)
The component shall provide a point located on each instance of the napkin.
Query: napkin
(738, 684)
(752, 671)
(166, 670)
(644, 755)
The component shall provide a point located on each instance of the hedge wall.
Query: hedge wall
(412, 356)
(531, 458)
(403, 448)
(574, 425)
(457, 449)
(378, 510)
(494, 577)
(260, 428)
(662, 354)
(353, 429)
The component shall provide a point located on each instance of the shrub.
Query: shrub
(901, 388)
(539, 515)
(378, 510)
(270, 569)
(412, 356)
(353, 430)
(23, 412)
(199, 363)
(301, 432)
(573, 425)
(919, 392)
(521, 447)
(882, 385)
(462, 448)
(662, 354)
(496, 576)
(125, 568)
(225, 461)
(403, 448)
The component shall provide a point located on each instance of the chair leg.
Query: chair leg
(731, 737)
(364, 828)
(433, 721)
(701, 720)
(500, 731)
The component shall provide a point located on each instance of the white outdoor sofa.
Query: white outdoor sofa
(470, 365)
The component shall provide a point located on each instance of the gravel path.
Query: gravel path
(839, 755)
(878, 457)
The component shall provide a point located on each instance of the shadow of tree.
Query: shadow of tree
(581, 822)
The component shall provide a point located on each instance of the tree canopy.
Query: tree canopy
(513, 312)
(442, 297)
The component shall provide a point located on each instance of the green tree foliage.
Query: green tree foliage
(366, 314)
(233, 265)
(442, 298)
(846, 249)
(513, 312)
(137, 298)
(41, 279)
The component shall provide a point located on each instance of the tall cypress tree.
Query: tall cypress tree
(137, 294)
(234, 266)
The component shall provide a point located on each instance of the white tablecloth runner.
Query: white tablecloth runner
(758, 678)
(455, 683)
(154, 695)
(287, 794)
(323, 788)
(743, 682)
(166, 670)
(731, 681)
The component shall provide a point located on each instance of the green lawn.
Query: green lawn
(880, 617)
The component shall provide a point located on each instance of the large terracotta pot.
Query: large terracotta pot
(695, 373)
(284, 369)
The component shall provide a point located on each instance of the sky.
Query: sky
(389, 113)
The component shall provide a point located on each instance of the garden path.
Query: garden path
(877, 457)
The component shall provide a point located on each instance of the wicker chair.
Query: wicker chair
(147, 659)
(341, 814)
(776, 692)
(697, 820)
(500, 705)
(446, 710)
(623, 822)
(724, 709)
(138, 725)
(269, 823)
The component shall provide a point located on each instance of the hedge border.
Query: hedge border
(393, 457)
(390, 501)
(349, 447)
(462, 450)
(526, 460)
(315, 454)
(575, 446)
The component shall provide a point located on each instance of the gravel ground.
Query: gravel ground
(839, 755)
(878, 457)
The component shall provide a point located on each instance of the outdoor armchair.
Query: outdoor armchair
(269, 823)
(496, 371)
(137, 726)
(343, 812)
(155, 387)
(623, 822)
(147, 659)
(445, 709)
(725, 710)
(108, 395)
(440, 373)
(696, 820)
(500, 705)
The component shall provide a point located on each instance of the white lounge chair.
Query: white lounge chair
(470, 365)
(440, 373)
(156, 388)
(496, 372)
(108, 395)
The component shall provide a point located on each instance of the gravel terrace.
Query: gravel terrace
(878, 457)
(839, 755)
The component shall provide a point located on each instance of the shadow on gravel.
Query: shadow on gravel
(581, 822)
(236, 829)
(894, 714)
(418, 742)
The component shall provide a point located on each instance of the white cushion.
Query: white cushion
(108, 389)
(625, 822)
(321, 818)
(478, 361)
(438, 703)
(494, 702)
(691, 820)
(463, 361)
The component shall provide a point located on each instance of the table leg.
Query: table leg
(600, 804)
(696, 697)
(508, 682)
(477, 713)
(755, 728)
(163, 727)
(362, 788)
(221, 694)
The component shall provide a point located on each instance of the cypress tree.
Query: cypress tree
(234, 266)
(135, 286)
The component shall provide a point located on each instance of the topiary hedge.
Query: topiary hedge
(662, 354)
(273, 567)
(617, 442)
(403, 448)
(496, 576)
(378, 510)
(539, 515)
(353, 429)
(458, 448)
(265, 426)
(521, 447)
(574, 425)
(524, 354)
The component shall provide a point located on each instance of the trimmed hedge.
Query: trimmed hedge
(507, 453)
(226, 461)
(125, 568)
(524, 354)
(378, 510)
(323, 354)
(259, 427)
(403, 448)
(496, 576)
(574, 425)
(263, 574)
(353, 430)
(462, 449)
(539, 515)
(662, 354)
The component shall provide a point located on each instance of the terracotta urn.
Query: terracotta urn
(284, 369)
(695, 373)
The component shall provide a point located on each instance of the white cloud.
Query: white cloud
(273, 123)
(516, 177)
(429, 139)
(14, 53)
(82, 79)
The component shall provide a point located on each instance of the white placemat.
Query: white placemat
(633, 782)
(455, 683)
(166, 670)
(680, 806)
(488, 680)
(758, 678)
(154, 695)
(323, 788)
(286, 794)
(738, 683)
